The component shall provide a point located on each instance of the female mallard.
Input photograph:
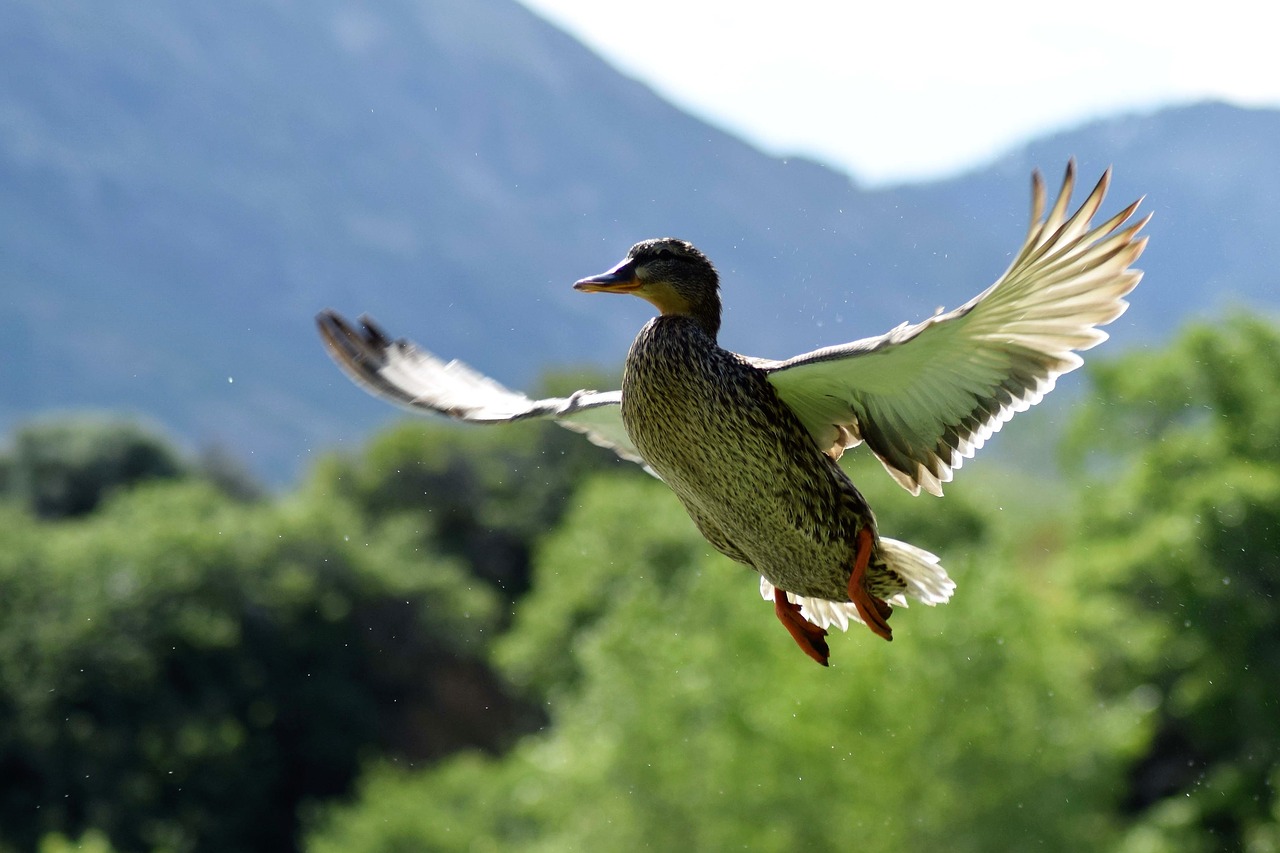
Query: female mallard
(750, 445)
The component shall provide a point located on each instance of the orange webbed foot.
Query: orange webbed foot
(874, 611)
(808, 636)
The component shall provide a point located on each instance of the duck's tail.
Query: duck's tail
(926, 582)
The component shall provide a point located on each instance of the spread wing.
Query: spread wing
(400, 372)
(925, 397)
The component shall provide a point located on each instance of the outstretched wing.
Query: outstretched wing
(400, 372)
(927, 396)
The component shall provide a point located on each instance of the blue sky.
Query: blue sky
(892, 92)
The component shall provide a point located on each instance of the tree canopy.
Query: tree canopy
(502, 639)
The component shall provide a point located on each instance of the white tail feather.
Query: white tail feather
(927, 582)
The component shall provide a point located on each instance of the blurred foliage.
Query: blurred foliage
(184, 670)
(64, 468)
(92, 841)
(685, 718)
(584, 566)
(484, 495)
(1182, 514)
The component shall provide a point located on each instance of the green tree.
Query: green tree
(91, 842)
(182, 671)
(684, 718)
(484, 496)
(63, 468)
(1181, 522)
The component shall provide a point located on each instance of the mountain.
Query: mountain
(183, 185)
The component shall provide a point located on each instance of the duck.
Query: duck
(751, 446)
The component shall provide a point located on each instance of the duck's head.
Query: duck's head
(670, 273)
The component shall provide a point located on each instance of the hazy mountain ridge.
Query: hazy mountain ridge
(183, 186)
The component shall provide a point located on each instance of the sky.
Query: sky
(893, 92)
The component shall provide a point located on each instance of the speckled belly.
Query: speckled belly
(749, 476)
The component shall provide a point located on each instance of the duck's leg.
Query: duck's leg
(874, 611)
(808, 636)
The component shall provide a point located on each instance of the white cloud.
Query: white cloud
(893, 91)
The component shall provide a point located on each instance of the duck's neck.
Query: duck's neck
(706, 315)
(674, 302)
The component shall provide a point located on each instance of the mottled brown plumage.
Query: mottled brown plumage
(745, 468)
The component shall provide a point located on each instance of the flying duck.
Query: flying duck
(750, 445)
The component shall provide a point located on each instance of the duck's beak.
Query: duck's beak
(620, 279)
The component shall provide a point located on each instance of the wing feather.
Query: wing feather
(925, 397)
(404, 374)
